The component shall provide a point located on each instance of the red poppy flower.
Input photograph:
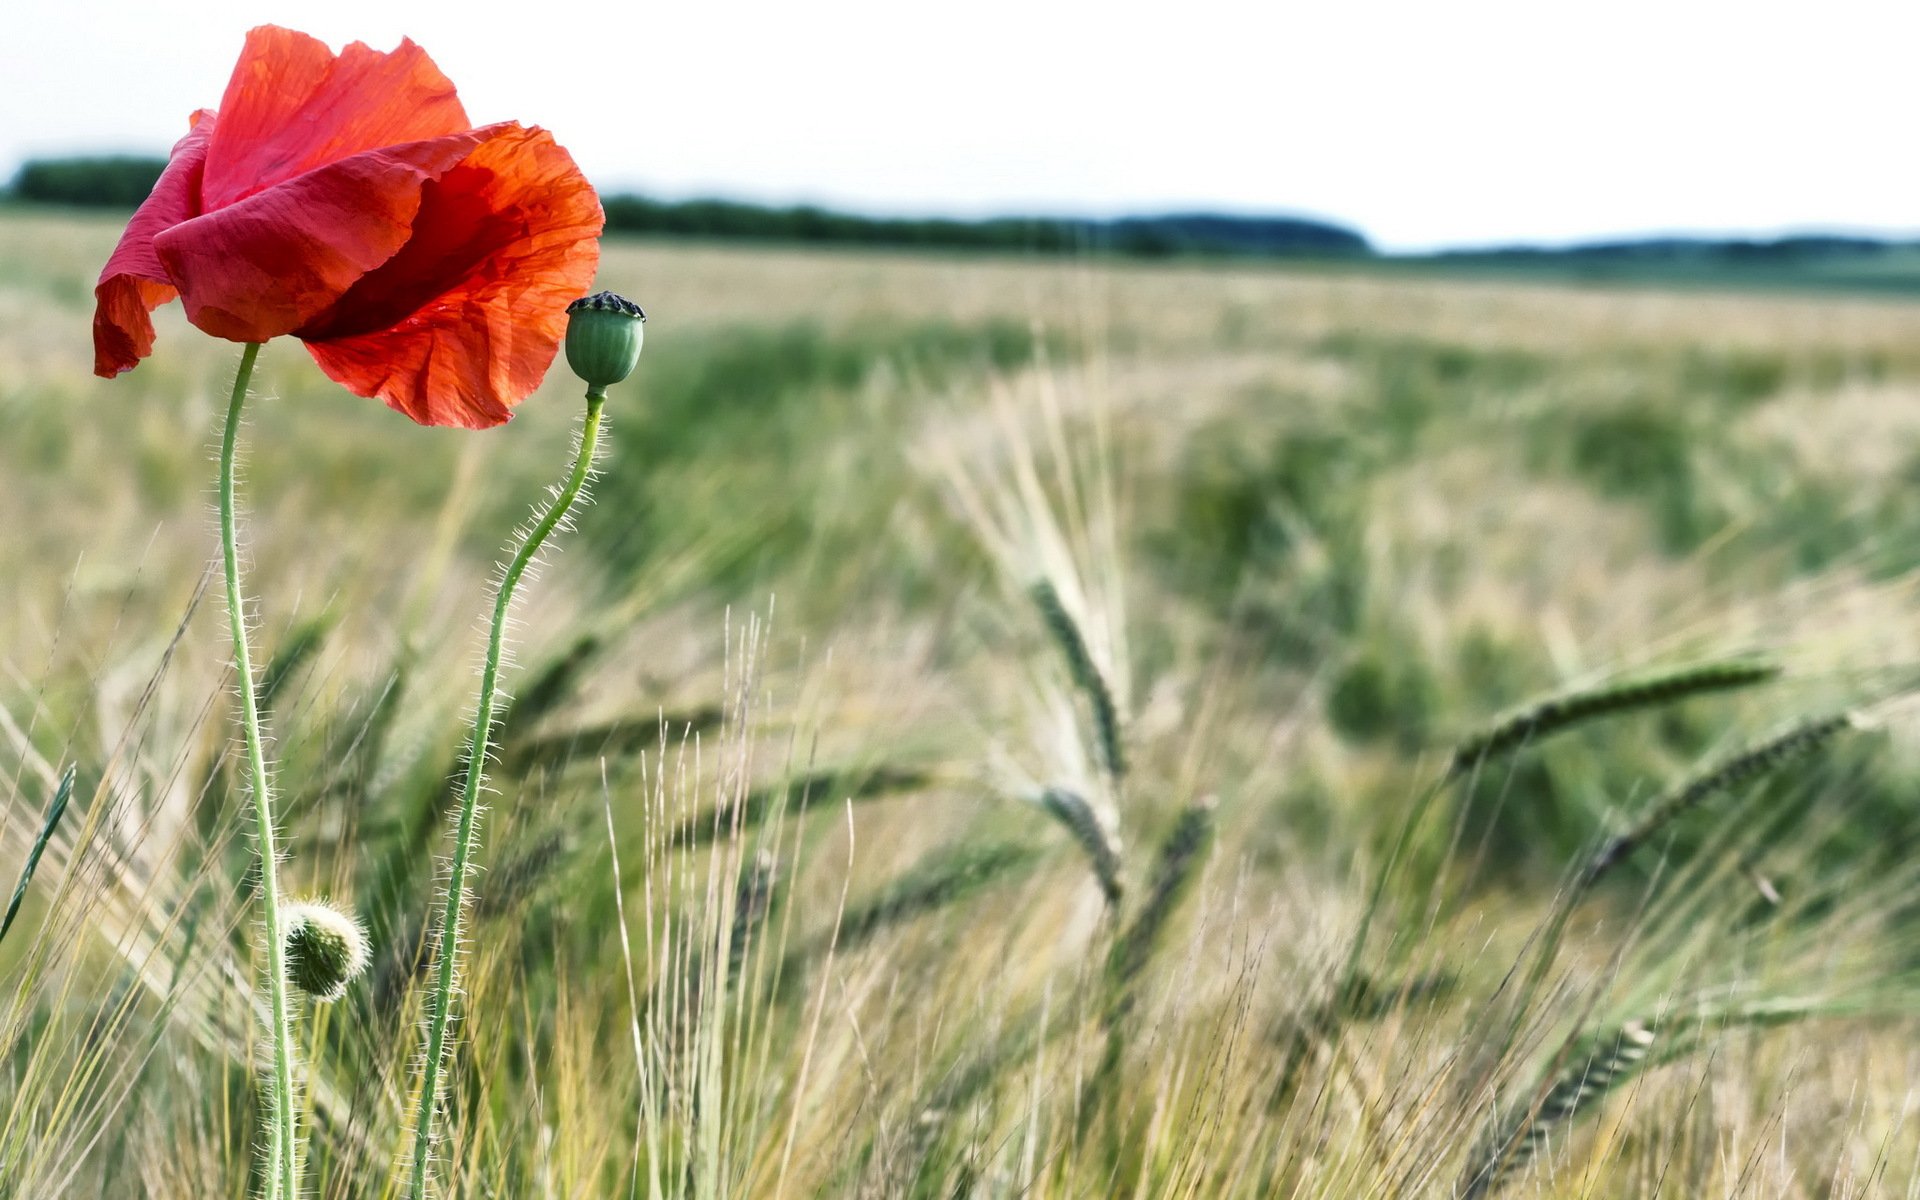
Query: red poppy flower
(348, 201)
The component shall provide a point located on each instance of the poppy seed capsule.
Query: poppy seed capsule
(326, 949)
(604, 334)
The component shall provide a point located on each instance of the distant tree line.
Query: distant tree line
(123, 182)
(1160, 236)
(1791, 250)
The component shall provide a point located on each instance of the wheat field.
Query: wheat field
(1004, 728)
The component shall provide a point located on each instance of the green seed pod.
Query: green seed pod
(326, 949)
(604, 334)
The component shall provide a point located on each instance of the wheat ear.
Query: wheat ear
(1600, 1064)
(1072, 810)
(1558, 714)
(1801, 740)
(1086, 677)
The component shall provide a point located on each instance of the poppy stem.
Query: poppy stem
(283, 1175)
(447, 944)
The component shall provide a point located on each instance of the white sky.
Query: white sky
(1441, 122)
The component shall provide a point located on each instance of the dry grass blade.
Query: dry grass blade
(55, 810)
(1561, 713)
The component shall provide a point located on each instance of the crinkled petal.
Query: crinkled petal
(465, 320)
(292, 106)
(273, 262)
(134, 282)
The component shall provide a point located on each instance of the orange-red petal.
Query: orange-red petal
(345, 200)
(464, 321)
(293, 106)
(134, 282)
(275, 261)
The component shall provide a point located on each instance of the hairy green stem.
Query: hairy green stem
(284, 1173)
(447, 952)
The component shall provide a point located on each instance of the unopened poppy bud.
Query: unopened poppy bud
(604, 333)
(326, 949)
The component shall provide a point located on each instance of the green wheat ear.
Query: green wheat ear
(1556, 714)
(1072, 811)
(1599, 1065)
(326, 949)
(1800, 741)
(1065, 632)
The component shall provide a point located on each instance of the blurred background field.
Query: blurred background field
(1316, 523)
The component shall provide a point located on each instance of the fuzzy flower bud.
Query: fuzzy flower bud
(604, 335)
(326, 949)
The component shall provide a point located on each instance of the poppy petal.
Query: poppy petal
(273, 262)
(465, 320)
(134, 283)
(293, 106)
